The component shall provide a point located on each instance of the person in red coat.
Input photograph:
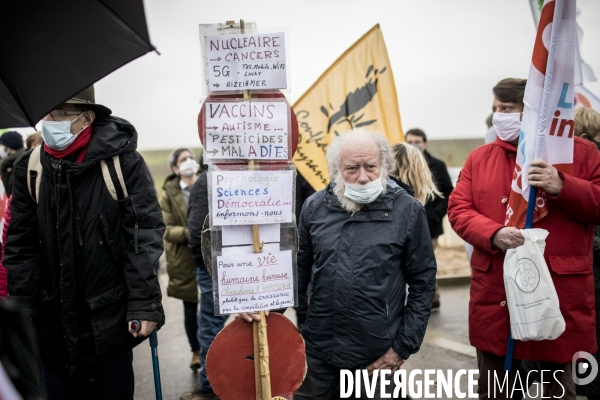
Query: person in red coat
(477, 212)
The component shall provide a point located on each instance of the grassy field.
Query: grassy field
(157, 160)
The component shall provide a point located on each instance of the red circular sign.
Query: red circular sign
(230, 367)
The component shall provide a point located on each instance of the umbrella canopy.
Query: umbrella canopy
(52, 50)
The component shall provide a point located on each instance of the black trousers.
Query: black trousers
(110, 380)
(322, 382)
(190, 321)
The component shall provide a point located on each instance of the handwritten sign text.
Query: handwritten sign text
(255, 282)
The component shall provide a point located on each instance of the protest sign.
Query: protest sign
(250, 130)
(254, 282)
(261, 127)
(251, 197)
(266, 97)
(242, 234)
(245, 61)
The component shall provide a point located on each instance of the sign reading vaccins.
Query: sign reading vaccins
(547, 127)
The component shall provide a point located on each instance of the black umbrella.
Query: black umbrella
(50, 50)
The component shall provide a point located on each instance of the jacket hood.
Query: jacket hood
(111, 136)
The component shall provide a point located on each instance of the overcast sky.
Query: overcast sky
(445, 55)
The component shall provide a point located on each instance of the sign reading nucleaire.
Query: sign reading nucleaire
(254, 282)
(251, 197)
(246, 61)
(256, 130)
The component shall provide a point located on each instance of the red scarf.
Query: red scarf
(79, 145)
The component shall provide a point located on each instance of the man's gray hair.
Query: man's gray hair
(333, 152)
(386, 157)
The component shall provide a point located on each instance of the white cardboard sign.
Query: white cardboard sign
(242, 234)
(255, 282)
(251, 197)
(246, 61)
(251, 130)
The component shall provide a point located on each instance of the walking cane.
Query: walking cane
(135, 327)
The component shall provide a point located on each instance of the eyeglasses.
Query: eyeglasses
(60, 115)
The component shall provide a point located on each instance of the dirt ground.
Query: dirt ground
(452, 261)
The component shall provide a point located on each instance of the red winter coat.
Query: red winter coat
(477, 210)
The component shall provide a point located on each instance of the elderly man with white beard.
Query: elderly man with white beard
(362, 239)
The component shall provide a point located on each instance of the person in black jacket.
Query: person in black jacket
(438, 207)
(209, 324)
(362, 239)
(83, 264)
(303, 191)
(11, 148)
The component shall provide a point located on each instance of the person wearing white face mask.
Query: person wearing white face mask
(180, 265)
(362, 239)
(83, 248)
(477, 211)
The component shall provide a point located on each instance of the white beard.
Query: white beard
(340, 188)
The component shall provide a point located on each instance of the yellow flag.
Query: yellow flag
(358, 90)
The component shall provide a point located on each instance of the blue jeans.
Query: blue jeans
(209, 324)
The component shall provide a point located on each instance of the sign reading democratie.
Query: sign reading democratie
(251, 197)
(251, 130)
(246, 61)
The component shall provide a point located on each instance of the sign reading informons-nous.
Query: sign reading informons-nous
(251, 197)
(246, 61)
(247, 130)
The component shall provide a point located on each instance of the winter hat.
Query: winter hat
(12, 139)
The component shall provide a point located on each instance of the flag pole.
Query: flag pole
(539, 145)
(510, 346)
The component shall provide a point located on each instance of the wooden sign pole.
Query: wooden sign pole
(262, 375)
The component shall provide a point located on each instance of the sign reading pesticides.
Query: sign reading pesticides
(245, 61)
(249, 130)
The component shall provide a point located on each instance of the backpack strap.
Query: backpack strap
(34, 173)
(113, 178)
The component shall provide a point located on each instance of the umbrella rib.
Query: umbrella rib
(19, 103)
(129, 26)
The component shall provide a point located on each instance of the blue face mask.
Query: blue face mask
(57, 134)
(364, 194)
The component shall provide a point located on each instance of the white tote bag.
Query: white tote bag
(532, 300)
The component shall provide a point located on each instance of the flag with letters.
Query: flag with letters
(357, 91)
(547, 126)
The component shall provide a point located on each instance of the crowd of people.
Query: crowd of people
(85, 228)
